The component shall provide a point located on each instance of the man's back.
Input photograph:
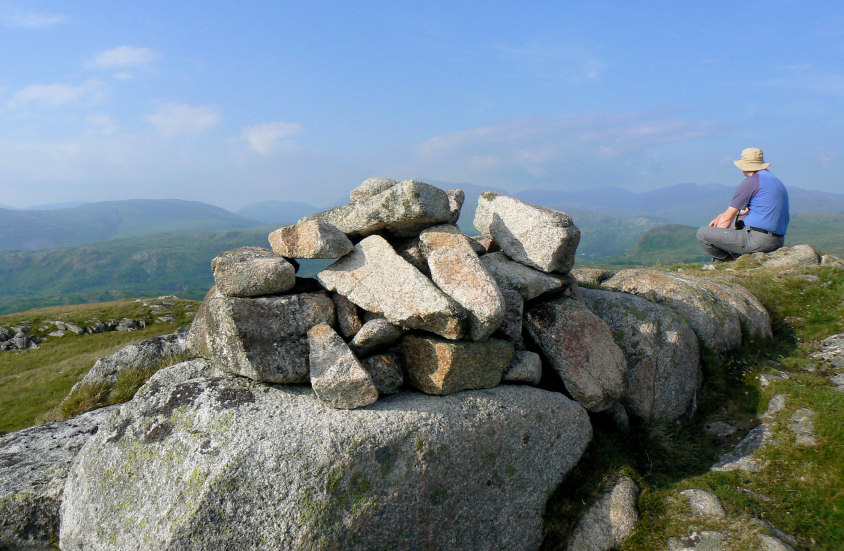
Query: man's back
(767, 200)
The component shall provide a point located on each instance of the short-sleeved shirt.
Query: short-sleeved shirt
(766, 197)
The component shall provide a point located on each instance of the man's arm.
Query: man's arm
(725, 219)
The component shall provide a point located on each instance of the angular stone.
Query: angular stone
(741, 457)
(262, 338)
(705, 504)
(580, 348)
(455, 203)
(338, 379)
(526, 367)
(460, 275)
(663, 360)
(251, 272)
(528, 282)
(386, 372)
(438, 366)
(374, 333)
(34, 463)
(198, 332)
(228, 463)
(514, 309)
(73, 328)
(312, 239)
(377, 279)
(370, 187)
(535, 236)
(484, 242)
(404, 210)
(444, 235)
(591, 276)
(716, 312)
(411, 250)
(609, 521)
(348, 321)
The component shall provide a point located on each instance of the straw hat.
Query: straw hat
(751, 160)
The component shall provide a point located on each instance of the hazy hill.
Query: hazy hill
(39, 229)
(277, 212)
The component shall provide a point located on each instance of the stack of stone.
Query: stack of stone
(410, 298)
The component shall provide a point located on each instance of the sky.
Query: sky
(233, 103)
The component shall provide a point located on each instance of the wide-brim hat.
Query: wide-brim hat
(752, 160)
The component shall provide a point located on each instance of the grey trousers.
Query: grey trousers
(728, 244)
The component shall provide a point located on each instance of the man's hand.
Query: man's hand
(725, 219)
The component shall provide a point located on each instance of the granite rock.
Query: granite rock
(337, 377)
(311, 239)
(526, 281)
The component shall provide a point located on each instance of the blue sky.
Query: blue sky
(233, 103)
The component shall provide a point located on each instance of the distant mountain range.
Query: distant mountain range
(277, 212)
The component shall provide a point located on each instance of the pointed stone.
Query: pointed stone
(512, 275)
(377, 279)
(312, 239)
(348, 321)
(370, 187)
(251, 272)
(337, 377)
(455, 203)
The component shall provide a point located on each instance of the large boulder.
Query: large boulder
(313, 239)
(227, 463)
(715, 311)
(579, 346)
(34, 463)
(439, 366)
(263, 338)
(377, 279)
(663, 360)
(252, 272)
(539, 237)
(403, 209)
(460, 275)
(526, 281)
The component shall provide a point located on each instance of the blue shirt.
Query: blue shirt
(765, 195)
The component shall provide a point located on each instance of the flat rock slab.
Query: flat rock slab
(788, 257)
(444, 235)
(710, 310)
(34, 463)
(802, 427)
(262, 338)
(579, 346)
(228, 463)
(370, 187)
(439, 366)
(609, 521)
(517, 277)
(312, 239)
(377, 279)
(404, 209)
(458, 272)
(741, 457)
(663, 360)
(252, 272)
(337, 377)
(539, 237)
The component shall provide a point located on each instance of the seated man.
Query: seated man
(763, 199)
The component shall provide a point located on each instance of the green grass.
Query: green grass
(33, 382)
(802, 488)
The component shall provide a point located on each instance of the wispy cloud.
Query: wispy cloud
(269, 137)
(550, 60)
(25, 19)
(174, 119)
(122, 59)
(88, 93)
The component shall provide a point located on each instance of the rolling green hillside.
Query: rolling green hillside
(40, 229)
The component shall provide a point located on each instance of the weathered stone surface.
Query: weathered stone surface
(370, 187)
(770, 543)
(34, 463)
(444, 235)
(528, 282)
(704, 540)
(198, 333)
(704, 503)
(754, 319)
(713, 319)
(338, 379)
(484, 244)
(802, 427)
(580, 348)
(377, 279)
(514, 309)
(788, 257)
(455, 203)
(591, 276)
(741, 457)
(831, 351)
(832, 260)
(535, 236)
(404, 209)
(251, 272)
(348, 321)
(311, 239)
(526, 367)
(227, 463)
(663, 361)
(438, 366)
(776, 404)
(386, 372)
(410, 249)
(609, 521)
(461, 276)
(263, 338)
(374, 333)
